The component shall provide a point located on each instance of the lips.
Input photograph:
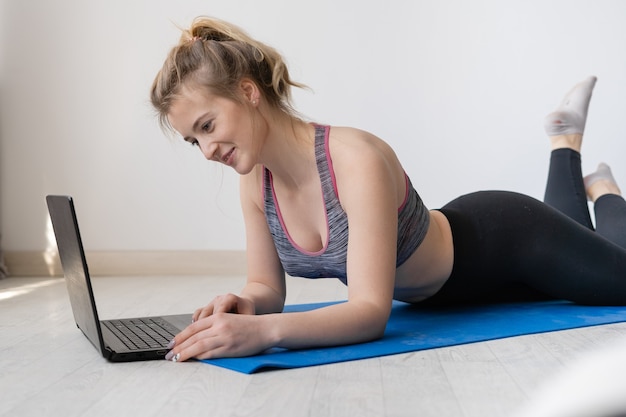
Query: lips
(228, 156)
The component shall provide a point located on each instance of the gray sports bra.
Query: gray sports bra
(330, 261)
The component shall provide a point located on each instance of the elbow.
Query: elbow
(374, 323)
(379, 331)
(372, 333)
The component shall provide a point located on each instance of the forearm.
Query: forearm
(266, 299)
(339, 324)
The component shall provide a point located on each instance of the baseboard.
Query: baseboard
(123, 263)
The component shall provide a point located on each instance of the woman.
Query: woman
(304, 186)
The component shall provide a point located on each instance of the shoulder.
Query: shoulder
(360, 158)
(356, 150)
(349, 139)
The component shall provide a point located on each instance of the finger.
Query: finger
(188, 332)
(226, 304)
(203, 312)
(196, 315)
(221, 303)
(200, 345)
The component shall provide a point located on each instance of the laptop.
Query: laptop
(121, 340)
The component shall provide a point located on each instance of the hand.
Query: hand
(221, 335)
(229, 303)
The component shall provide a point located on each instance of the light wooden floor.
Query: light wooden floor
(47, 367)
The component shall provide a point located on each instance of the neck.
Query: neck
(289, 152)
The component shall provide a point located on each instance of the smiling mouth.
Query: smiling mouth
(226, 157)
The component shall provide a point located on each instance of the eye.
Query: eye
(207, 126)
(192, 141)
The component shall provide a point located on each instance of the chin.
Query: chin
(243, 169)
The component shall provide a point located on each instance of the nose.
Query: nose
(209, 150)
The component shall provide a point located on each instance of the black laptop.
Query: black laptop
(119, 340)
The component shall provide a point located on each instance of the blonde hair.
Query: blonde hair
(216, 55)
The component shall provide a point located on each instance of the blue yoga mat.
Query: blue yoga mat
(412, 328)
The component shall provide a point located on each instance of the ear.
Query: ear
(249, 90)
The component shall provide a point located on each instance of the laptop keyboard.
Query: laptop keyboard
(144, 333)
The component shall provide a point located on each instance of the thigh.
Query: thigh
(511, 246)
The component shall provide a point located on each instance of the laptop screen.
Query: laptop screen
(65, 224)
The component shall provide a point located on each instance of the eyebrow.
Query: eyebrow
(195, 127)
(198, 120)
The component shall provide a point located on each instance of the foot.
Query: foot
(565, 125)
(600, 183)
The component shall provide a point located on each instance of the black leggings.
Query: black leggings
(509, 246)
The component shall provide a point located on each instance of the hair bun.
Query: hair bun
(210, 34)
(219, 66)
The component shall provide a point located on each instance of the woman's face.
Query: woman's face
(222, 128)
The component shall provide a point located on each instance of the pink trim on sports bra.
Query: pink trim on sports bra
(406, 192)
(329, 159)
(279, 214)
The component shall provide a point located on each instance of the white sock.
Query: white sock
(602, 173)
(570, 117)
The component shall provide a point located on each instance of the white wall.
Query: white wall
(459, 88)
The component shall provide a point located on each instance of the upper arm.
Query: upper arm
(263, 264)
(370, 182)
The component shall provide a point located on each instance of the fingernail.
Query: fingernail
(171, 344)
(176, 357)
(169, 355)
